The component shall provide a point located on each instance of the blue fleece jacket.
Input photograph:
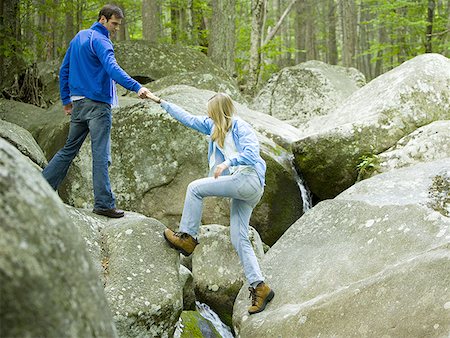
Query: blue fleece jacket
(89, 68)
(244, 137)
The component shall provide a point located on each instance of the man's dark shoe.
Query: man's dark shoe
(112, 213)
(181, 241)
(260, 295)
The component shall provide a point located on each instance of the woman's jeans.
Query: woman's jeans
(87, 117)
(245, 191)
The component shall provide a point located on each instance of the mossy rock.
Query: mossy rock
(193, 325)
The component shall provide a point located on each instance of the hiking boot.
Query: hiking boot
(111, 213)
(260, 295)
(181, 241)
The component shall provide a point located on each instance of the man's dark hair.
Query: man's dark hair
(108, 11)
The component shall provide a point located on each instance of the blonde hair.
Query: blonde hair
(221, 109)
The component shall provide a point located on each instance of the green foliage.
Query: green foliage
(395, 30)
(400, 28)
(367, 165)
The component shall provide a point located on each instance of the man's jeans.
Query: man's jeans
(245, 191)
(87, 117)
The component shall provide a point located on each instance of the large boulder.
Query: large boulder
(23, 141)
(425, 144)
(151, 168)
(200, 81)
(142, 278)
(373, 262)
(146, 61)
(140, 272)
(371, 121)
(48, 127)
(48, 285)
(296, 94)
(217, 271)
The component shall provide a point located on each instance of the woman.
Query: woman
(236, 171)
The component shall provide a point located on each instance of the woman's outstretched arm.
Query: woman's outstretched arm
(202, 124)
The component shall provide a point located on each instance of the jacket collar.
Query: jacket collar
(97, 26)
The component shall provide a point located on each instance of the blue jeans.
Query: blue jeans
(87, 117)
(245, 191)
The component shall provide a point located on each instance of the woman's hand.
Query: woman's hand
(153, 97)
(219, 169)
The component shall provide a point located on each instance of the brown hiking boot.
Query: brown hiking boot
(260, 295)
(181, 241)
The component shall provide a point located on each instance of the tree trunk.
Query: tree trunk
(300, 55)
(382, 38)
(255, 45)
(365, 65)
(190, 23)
(348, 17)
(222, 34)
(151, 20)
(173, 21)
(69, 32)
(331, 41)
(122, 34)
(310, 31)
(282, 18)
(429, 29)
(10, 41)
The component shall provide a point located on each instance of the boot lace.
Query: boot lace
(252, 295)
(184, 235)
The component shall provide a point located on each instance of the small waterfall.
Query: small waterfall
(210, 315)
(206, 312)
(304, 191)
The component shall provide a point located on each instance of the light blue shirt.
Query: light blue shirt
(244, 137)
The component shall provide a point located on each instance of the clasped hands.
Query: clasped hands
(144, 93)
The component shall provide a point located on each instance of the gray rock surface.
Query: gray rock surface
(187, 282)
(218, 274)
(23, 141)
(139, 271)
(313, 88)
(200, 81)
(373, 262)
(48, 285)
(147, 61)
(48, 127)
(425, 144)
(142, 277)
(371, 121)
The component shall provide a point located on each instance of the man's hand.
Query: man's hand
(219, 169)
(143, 93)
(68, 109)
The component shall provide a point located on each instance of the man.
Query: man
(87, 85)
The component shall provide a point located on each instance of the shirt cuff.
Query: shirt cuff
(227, 163)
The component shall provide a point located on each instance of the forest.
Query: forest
(250, 39)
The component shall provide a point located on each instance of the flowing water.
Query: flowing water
(304, 191)
(206, 312)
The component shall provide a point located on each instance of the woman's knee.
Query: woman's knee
(192, 189)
